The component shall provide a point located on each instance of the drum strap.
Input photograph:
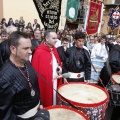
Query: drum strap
(101, 82)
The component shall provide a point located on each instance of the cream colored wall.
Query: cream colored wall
(1, 9)
(16, 8)
(26, 8)
(105, 26)
(108, 1)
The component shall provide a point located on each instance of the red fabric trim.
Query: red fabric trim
(114, 81)
(68, 108)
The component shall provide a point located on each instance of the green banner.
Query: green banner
(72, 10)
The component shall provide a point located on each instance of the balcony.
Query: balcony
(112, 2)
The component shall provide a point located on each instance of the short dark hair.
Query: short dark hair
(3, 32)
(14, 37)
(47, 33)
(64, 39)
(104, 37)
(79, 35)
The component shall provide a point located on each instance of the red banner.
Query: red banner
(94, 17)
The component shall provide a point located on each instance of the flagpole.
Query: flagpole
(63, 14)
(86, 17)
(102, 10)
(87, 7)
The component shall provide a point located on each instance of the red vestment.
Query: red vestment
(42, 62)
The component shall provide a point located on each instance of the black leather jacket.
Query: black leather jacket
(4, 52)
(15, 92)
(74, 55)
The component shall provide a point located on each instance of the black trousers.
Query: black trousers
(116, 113)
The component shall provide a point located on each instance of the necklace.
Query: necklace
(78, 52)
(27, 78)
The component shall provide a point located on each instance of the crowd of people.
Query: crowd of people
(32, 61)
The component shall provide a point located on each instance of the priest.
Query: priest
(47, 63)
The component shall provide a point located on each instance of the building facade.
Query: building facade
(109, 4)
(26, 8)
(17, 8)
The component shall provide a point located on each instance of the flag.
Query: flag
(49, 12)
(114, 20)
(94, 17)
(72, 10)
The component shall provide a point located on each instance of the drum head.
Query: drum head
(82, 94)
(65, 113)
(116, 78)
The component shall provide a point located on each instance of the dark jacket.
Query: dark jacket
(37, 26)
(15, 91)
(74, 55)
(114, 62)
(114, 58)
(35, 44)
(61, 53)
(4, 52)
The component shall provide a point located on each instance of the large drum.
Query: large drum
(116, 78)
(65, 113)
(90, 98)
(98, 64)
(114, 90)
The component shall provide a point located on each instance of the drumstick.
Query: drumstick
(64, 75)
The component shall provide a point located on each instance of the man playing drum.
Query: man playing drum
(78, 62)
(114, 67)
(19, 91)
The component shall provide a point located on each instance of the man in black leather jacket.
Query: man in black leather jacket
(19, 91)
(78, 61)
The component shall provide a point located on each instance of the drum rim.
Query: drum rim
(83, 104)
(114, 81)
(68, 108)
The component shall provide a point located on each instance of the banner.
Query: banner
(114, 20)
(49, 12)
(72, 10)
(94, 17)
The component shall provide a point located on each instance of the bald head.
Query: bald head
(11, 29)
